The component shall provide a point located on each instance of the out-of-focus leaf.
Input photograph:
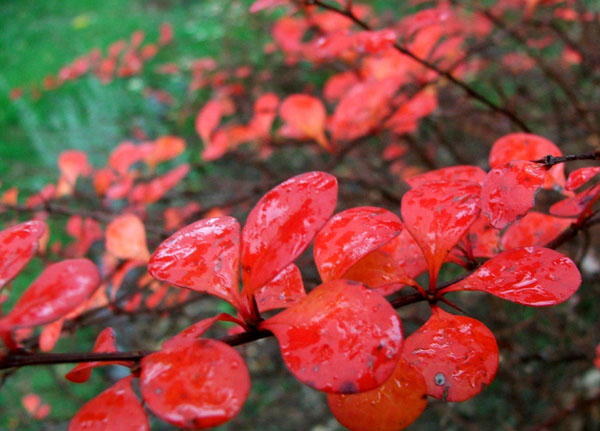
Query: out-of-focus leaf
(18, 244)
(208, 119)
(305, 115)
(579, 177)
(323, 343)
(126, 238)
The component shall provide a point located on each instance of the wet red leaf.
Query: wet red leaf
(534, 229)
(203, 256)
(60, 288)
(457, 355)
(196, 330)
(437, 215)
(526, 146)
(18, 244)
(573, 207)
(349, 236)
(304, 117)
(581, 176)
(452, 174)
(105, 343)
(285, 290)
(406, 252)
(282, 225)
(533, 276)
(114, 409)
(208, 119)
(126, 238)
(392, 406)
(341, 338)
(199, 384)
(508, 191)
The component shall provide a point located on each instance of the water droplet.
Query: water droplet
(440, 379)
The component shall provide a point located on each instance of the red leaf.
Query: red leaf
(50, 335)
(259, 5)
(390, 407)
(196, 330)
(203, 256)
(216, 146)
(407, 254)
(581, 176)
(72, 164)
(105, 343)
(457, 355)
(154, 190)
(508, 191)
(304, 117)
(282, 225)
(349, 236)
(123, 156)
(530, 276)
(114, 409)
(525, 146)
(60, 288)
(163, 149)
(535, 229)
(126, 238)
(451, 174)
(285, 290)
(208, 119)
(18, 244)
(482, 238)
(199, 384)
(573, 207)
(437, 215)
(341, 338)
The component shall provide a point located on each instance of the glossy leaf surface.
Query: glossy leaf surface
(105, 343)
(60, 288)
(341, 338)
(451, 174)
(196, 330)
(392, 406)
(508, 191)
(581, 176)
(534, 229)
(18, 244)
(285, 290)
(407, 253)
(114, 409)
(282, 225)
(126, 238)
(530, 276)
(526, 146)
(457, 355)
(349, 236)
(574, 206)
(437, 215)
(203, 256)
(199, 384)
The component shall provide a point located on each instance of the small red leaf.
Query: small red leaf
(581, 176)
(285, 290)
(114, 409)
(105, 343)
(196, 330)
(392, 406)
(341, 338)
(573, 207)
(407, 254)
(437, 215)
(530, 276)
(18, 244)
(203, 256)
(208, 119)
(126, 238)
(259, 5)
(351, 235)
(216, 146)
(282, 225)
(50, 335)
(305, 117)
(457, 355)
(526, 146)
(199, 384)
(452, 174)
(535, 229)
(60, 288)
(508, 191)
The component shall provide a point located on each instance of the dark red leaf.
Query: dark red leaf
(351, 235)
(581, 176)
(390, 407)
(341, 338)
(199, 384)
(437, 215)
(203, 256)
(18, 244)
(285, 290)
(60, 288)
(508, 191)
(117, 408)
(535, 229)
(105, 343)
(457, 355)
(282, 225)
(530, 276)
